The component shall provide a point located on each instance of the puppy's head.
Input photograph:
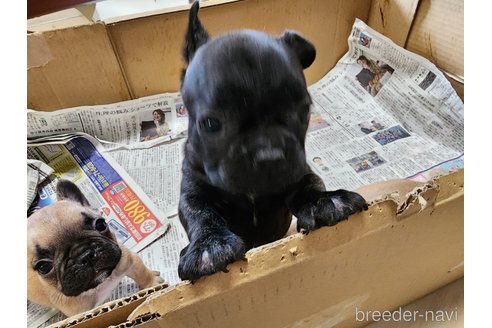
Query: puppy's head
(248, 107)
(70, 248)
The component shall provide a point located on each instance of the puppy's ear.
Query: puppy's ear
(304, 50)
(196, 35)
(68, 190)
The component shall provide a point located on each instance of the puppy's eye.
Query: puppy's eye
(43, 267)
(210, 124)
(100, 225)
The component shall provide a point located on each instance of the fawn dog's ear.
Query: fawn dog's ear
(68, 190)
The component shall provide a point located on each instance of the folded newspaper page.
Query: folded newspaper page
(139, 123)
(37, 172)
(381, 113)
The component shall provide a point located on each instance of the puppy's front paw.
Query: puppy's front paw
(328, 208)
(157, 278)
(153, 280)
(210, 254)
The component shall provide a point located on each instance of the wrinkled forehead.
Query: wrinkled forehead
(247, 66)
(57, 222)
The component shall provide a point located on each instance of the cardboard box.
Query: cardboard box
(399, 250)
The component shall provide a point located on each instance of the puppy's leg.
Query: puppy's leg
(314, 207)
(212, 245)
(136, 269)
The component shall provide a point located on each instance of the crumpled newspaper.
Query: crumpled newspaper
(37, 172)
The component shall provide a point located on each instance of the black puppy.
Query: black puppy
(245, 171)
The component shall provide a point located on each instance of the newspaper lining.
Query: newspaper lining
(382, 113)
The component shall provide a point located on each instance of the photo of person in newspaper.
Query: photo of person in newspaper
(365, 40)
(155, 128)
(365, 162)
(370, 127)
(319, 162)
(181, 110)
(387, 136)
(373, 74)
(317, 122)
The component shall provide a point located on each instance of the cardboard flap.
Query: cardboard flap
(438, 35)
(73, 67)
(393, 18)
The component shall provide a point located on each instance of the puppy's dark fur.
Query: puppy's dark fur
(245, 171)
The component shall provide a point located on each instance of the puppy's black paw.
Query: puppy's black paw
(328, 208)
(210, 254)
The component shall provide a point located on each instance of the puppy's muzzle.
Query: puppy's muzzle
(88, 264)
(263, 163)
(269, 154)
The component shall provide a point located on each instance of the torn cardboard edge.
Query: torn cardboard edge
(266, 259)
(39, 53)
(386, 209)
(126, 304)
(138, 320)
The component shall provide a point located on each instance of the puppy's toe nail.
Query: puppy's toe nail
(156, 273)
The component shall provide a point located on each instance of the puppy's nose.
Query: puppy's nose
(269, 154)
(86, 257)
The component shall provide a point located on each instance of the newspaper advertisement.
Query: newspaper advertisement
(163, 164)
(139, 123)
(383, 113)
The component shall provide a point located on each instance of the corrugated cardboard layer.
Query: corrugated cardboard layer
(110, 313)
(438, 34)
(78, 67)
(150, 48)
(373, 261)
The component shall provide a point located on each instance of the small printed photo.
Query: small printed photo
(427, 81)
(316, 122)
(372, 74)
(370, 127)
(154, 124)
(365, 162)
(365, 40)
(319, 164)
(181, 110)
(387, 136)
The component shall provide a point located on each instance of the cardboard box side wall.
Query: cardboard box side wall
(99, 64)
(320, 279)
(150, 48)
